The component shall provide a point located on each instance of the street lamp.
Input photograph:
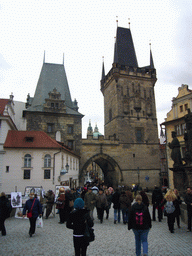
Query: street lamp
(64, 171)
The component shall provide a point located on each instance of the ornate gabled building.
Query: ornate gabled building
(52, 110)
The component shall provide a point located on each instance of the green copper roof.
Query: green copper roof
(52, 76)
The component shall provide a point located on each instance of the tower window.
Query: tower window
(110, 114)
(181, 108)
(186, 106)
(70, 129)
(70, 144)
(50, 127)
(139, 135)
(133, 89)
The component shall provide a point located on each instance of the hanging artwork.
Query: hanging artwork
(16, 199)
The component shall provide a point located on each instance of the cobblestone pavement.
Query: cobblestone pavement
(55, 239)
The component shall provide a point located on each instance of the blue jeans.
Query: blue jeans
(141, 237)
(125, 214)
(117, 214)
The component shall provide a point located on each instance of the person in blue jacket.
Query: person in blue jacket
(33, 203)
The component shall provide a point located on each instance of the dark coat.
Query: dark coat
(115, 200)
(178, 202)
(101, 201)
(188, 201)
(37, 208)
(146, 217)
(4, 211)
(157, 196)
(76, 221)
(125, 203)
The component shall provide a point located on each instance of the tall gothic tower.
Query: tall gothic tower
(130, 113)
(129, 100)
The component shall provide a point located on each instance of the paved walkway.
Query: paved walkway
(55, 239)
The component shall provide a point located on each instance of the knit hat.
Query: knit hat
(79, 203)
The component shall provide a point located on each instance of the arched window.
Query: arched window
(47, 161)
(27, 160)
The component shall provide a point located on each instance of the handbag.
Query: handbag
(89, 233)
(29, 214)
(39, 222)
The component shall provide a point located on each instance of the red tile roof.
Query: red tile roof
(17, 139)
(3, 103)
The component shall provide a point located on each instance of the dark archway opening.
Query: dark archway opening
(101, 165)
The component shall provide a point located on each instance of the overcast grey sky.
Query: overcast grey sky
(84, 31)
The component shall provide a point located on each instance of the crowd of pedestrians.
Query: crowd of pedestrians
(75, 208)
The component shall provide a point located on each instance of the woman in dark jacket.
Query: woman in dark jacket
(76, 221)
(140, 222)
(5, 209)
(178, 202)
(36, 211)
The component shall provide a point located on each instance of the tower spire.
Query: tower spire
(103, 70)
(151, 57)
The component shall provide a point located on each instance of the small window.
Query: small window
(27, 160)
(186, 106)
(47, 174)
(70, 144)
(26, 174)
(57, 105)
(47, 161)
(70, 129)
(181, 108)
(52, 105)
(50, 127)
(7, 168)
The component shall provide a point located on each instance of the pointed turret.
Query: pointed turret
(151, 60)
(89, 129)
(124, 52)
(103, 71)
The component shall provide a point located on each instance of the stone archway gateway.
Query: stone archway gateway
(111, 170)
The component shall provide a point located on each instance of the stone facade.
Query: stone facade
(120, 162)
(67, 126)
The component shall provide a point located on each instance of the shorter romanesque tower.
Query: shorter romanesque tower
(51, 109)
